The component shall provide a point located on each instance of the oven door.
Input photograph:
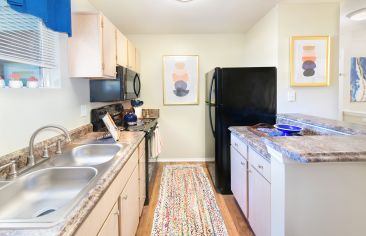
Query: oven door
(132, 84)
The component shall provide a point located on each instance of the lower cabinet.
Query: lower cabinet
(251, 187)
(129, 206)
(111, 225)
(259, 203)
(117, 213)
(142, 182)
(239, 180)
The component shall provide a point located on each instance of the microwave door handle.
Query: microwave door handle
(137, 78)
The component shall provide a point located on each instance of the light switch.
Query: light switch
(291, 96)
(83, 110)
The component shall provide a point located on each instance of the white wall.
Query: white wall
(25, 110)
(352, 44)
(268, 43)
(183, 127)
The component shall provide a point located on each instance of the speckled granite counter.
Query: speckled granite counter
(320, 124)
(338, 141)
(320, 148)
(74, 219)
(251, 139)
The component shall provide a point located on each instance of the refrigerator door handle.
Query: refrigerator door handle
(210, 104)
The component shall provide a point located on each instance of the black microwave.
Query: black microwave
(126, 86)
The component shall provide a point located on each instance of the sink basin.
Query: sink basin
(94, 154)
(42, 196)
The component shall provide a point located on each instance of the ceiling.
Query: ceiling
(173, 17)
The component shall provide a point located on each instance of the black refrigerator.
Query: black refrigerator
(235, 97)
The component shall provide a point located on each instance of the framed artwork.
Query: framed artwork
(309, 61)
(358, 79)
(180, 80)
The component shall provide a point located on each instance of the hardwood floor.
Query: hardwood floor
(234, 220)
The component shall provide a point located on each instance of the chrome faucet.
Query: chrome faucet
(13, 169)
(31, 160)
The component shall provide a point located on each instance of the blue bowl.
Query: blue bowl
(288, 130)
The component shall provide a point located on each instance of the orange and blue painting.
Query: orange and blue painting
(180, 77)
(310, 61)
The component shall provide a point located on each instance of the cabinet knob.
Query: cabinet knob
(117, 213)
(235, 144)
(125, 197)
(260, 167)
(242, 163)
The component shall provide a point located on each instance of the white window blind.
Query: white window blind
(25, 39)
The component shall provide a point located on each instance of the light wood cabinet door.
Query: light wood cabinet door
(138, 61)
(142, 182)
(131, 56)
(122, 48)
(111, 225)
(109, 47)
(129, 206)
(259, 203)
(239, 180)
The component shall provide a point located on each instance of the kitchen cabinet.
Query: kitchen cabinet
(131, 56)
(239, 180)
(129, 206)
(259, 203)
(111, 225)
(92, 48)
(123, 192)
(138, 61)
(142, 177)
(122, 48)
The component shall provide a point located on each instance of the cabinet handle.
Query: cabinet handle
(125, 197)
(242, 163)
(117, 213)
(236, 145)
(260, 167)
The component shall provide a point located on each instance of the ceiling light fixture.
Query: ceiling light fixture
(184, 0)
(357, 15)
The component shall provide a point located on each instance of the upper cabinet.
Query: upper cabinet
(122, 48)
(92, 47)
(131, 56)
(137, 61)
(97, 47)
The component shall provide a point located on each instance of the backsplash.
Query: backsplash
(20, 156)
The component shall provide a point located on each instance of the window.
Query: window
(28, 51)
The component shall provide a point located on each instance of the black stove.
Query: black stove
(146, 125)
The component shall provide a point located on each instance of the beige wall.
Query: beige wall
(25, 110)
(308, 19)
(267, 44)
(183, 127)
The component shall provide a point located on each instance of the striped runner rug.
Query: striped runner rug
(187, 204)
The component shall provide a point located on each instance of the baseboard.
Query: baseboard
(197, 159)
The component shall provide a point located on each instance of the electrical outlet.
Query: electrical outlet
(83, 111)
(291, 96)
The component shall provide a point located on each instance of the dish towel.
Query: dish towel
(156, 143)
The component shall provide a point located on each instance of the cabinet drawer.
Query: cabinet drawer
(239, 145)
(260, 164)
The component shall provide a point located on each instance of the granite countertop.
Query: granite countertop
(320, 148)
(334, 125)
(251, 139)
(70, 224)
(345, 142)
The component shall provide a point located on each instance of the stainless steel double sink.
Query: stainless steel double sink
(45, 194)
